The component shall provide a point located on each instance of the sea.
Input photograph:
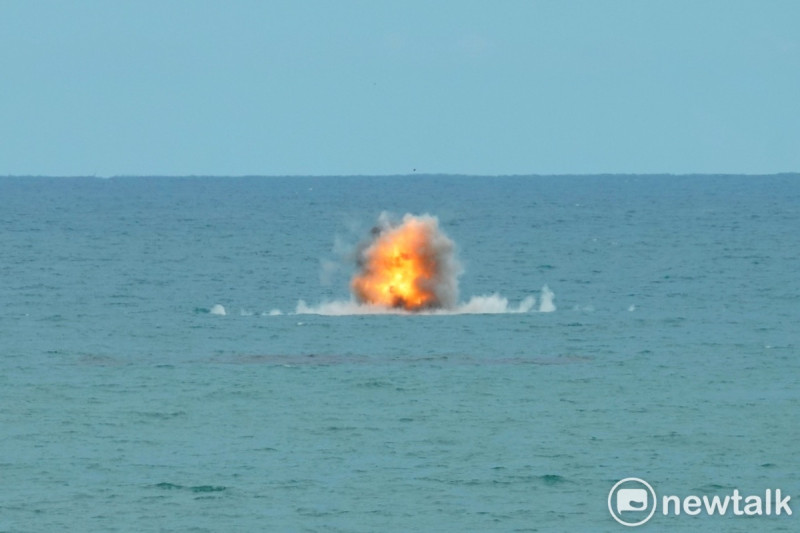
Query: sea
(183, 354)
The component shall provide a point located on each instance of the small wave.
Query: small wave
(161, 416)
(195, 488)
(168, 486)
(207, 488)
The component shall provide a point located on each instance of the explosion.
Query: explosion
(410, 266)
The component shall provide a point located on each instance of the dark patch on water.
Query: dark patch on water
(552, 479)
(161, 416)
(168, 486)
(100, 360)
(458, 359)
(374, 384)
(195, 488)
(208, 488)
(294, 360)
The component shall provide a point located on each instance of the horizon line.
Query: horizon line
(399, 175)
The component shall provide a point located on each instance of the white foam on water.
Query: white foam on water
(218, 310)
(492, 304)
(547, 305)
(343, 308)
(477, 305)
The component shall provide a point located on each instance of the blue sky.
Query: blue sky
(274, 88)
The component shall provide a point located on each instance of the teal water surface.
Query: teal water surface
(131, 403)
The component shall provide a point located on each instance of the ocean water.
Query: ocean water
(155, 374)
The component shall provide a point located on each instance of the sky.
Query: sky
(395, 87)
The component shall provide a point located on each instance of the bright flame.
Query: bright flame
(402, 267)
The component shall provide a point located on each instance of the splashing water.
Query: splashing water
(217, 309)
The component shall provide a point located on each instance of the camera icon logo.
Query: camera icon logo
(632, 501)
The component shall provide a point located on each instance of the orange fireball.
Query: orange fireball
(399, 269)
